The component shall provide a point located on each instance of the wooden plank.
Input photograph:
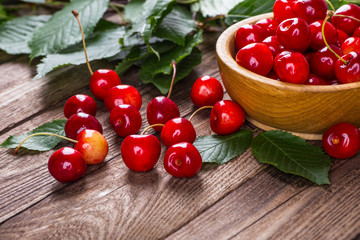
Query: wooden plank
(278, 206)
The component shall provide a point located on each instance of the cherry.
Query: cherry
(317, 41)
(294, 34)
(273, 45)
(256, 57)
(140, 153)
(67, 165)
(273, 75)
(269, 25)
(206, 91)
(161, 109)
(351, 44)
(92, 145)
(342, 36)
(177, 130)
(80, 103)
(80, 121)
(346, 24)
(103, 80)
(125, 120)
(315, 80)
(323, 60)
(356, 32)
(310, 10)
(248, 33)
(333, 82)
(347, 69)
(283, 9)
(226, 117)
(123, 94)
(291, 67)
(182, 160)
(342, 140)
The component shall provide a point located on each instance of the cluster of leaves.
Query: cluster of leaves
(288, 153)
(156, 32)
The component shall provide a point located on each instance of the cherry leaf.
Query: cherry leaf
(39, 143)
(292, 154)
(63, 30)
(221, 149)
(212, 8)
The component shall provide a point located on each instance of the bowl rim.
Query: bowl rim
(222, 48)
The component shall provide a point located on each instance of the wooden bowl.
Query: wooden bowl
(304, 110)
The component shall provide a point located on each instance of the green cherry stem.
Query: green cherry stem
(330, 4)
(198, 110)
(151, 126)
(345, 16)
(326, 43)
(76, 15)
(42, 134)
(173, 63)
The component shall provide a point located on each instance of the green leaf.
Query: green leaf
(15, 34)
(39, 143)
(292, 154)
(133, 10)
(62, 30)
(183, 68)
(103, 44)
(176, 25)
(34, 1)
(147, 18)
(211, 8)
(221, 149)
(3, 14)
(248, 8)
(151, 66)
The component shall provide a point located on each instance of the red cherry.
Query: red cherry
(140, 153)
(182, 160)
(273, 75)
(350, 71)
(315, 80)
(351, 44)
(160, 110)
(317, 41)
(92, 145)
(67, 165)
(177, 130)
(291, 67)
(125, 120)
(333, 82)
(356, 32)
(310, 10)
(206, 91)
(342, 140)
(226, 117)
(273, 45)
(342, 36)
(269, 25)
(284, 9)
(80, 103)
(294, 34)
(249, 33)
(81, 121)
(123, 94)
(256, 57)
(323, 60)
(101, 81)
(346, 24)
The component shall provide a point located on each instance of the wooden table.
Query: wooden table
(242, 199)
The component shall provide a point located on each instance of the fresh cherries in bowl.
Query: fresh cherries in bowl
(305, 86)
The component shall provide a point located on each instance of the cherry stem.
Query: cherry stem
(76, 15)
(151, 126)
(345, 16)
(326, 43)
(198, 110)
(330, 4)
(42, 134)
(173, 63)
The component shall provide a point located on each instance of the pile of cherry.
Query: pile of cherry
(140, 152)
(299, 45)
